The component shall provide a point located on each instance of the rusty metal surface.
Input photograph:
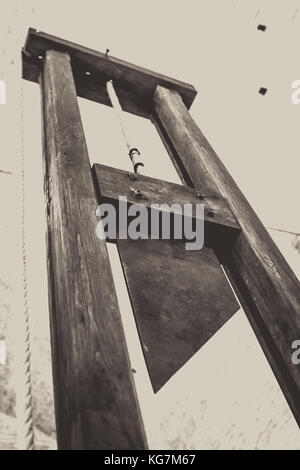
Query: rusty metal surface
(180, 299)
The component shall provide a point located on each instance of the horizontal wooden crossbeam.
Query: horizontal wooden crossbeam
(92, 69)
(221, 226)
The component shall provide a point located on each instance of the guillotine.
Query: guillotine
(180, 298)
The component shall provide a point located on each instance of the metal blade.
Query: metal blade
(179, 298)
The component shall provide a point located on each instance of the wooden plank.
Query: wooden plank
(112, 183)
(180, 299)
(267, 287)
(134, 85)
(95, 401)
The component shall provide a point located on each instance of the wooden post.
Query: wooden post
(95, 401)
(266, 286)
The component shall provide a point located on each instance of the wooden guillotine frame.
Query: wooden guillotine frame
(95, 401)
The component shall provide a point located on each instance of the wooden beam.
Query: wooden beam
(220, 224)
(183, 175)
(95, 401)
(265, 284)
(134, 85)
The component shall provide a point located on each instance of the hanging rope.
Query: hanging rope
(283, 231)
(133, 152)
(25, 432)
(296, 239)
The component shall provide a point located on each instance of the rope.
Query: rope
(283, 231)
(296, 240)
(133, 152)
(25, 432)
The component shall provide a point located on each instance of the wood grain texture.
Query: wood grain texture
(112, 183)
(95, 401)
(265, 284)
(134, 85)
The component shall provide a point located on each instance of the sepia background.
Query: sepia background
(226, 396)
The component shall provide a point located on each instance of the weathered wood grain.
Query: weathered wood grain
(95, 401)
(221, 227)
(134, 85)
(183, 175)
(265, 284)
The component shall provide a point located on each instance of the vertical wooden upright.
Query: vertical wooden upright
(96, 405)
(265, 284)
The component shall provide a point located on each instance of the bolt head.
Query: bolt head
(139, 194)
(132, 176)
(200, 195)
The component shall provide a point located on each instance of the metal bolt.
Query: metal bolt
(200, 195)
(210, 213)
(132, 176)
(139, 194)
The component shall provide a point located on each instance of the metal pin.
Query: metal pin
(200, 195)
(137, 193)
(132, 176)
(106, 53)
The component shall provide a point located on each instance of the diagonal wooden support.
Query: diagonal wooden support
(95, 401)
(265, 284)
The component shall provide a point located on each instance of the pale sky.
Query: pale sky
(226, 396)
